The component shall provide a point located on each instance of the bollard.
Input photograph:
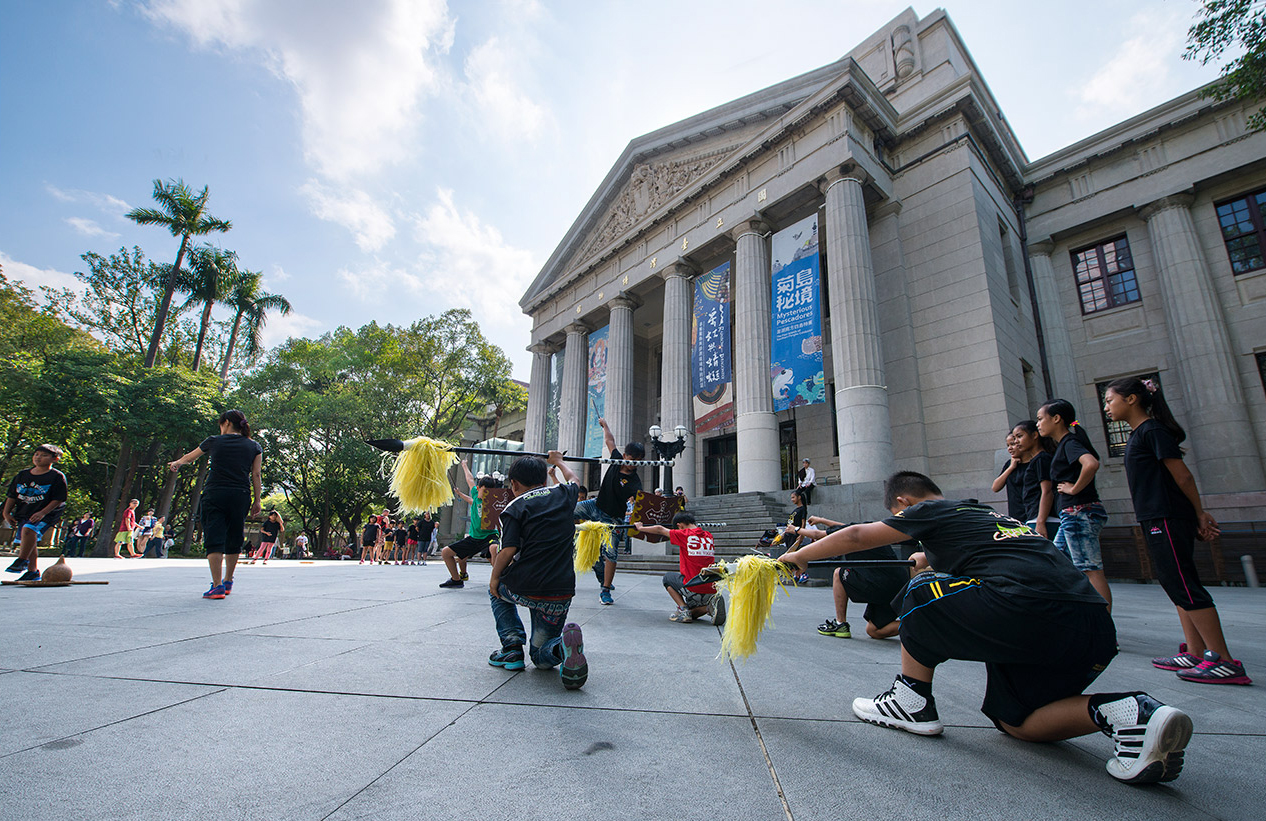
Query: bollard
(1250, 572)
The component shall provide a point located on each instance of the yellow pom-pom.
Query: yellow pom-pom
(752, 586)
(591, 537)
(419, 475)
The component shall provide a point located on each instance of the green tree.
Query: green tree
(214, 273)
(184, 214)
(1224, 25)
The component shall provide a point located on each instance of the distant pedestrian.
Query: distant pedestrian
(126, 535)
(156, 538)
(301, 546)
(144, 530)
(808, 479)
(270, 534)
(80, 532)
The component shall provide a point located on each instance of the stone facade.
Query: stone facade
(951, 304)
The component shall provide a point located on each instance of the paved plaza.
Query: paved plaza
(334, 690)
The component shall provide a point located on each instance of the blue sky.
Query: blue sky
(390, 159)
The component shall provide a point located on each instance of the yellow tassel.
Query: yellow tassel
(752, 587)
(591, 537)
(419, 475)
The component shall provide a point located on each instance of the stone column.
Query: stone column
(1059, 346)
(861, 394)
(538, 397)
(619, 409)
(676, 407)
(759, 466)
(1218, 420)
(574, 402)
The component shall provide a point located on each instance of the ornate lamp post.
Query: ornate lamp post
(668, 449)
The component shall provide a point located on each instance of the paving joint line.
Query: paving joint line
(769, 762)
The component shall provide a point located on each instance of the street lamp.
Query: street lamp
(668, 449)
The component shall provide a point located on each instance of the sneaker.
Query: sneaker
(574, 671)
(1149, 737)
(30, 576)
(452, 583)
(716, 609)
(228, 586)
(803, 578)
(605, 596)
(1182, 661)
(465, 577)
(18, 566)
(1216, 670)
(681, 615)
(902, 709)
(216, 592)
(831, 627)
(510, 658)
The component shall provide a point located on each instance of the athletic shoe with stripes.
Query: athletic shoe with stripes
(1149, 736)
(1216, 670)
(902, 709)
(1182, 661)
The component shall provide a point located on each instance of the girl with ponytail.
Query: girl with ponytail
(236, 464)
(1169, 511)
(1038, 491)
(1072, 472)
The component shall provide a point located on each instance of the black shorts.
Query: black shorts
(469, 546)
(224, 519)
(698, 597)
(1035, 651)
(1171, 543)
(876, 588)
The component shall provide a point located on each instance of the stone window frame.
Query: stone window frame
(1248, 226)
(1116, 434)
(1260, 356)
(1097, 283)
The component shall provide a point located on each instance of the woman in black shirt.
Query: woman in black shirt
(236, 461)
(269, 535)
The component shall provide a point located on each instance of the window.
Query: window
(1117, 433)
(1261, 366)
(1242, 231)
(1105, 276)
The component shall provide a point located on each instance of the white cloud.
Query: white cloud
(89, 228)
(491, 69)
(1139, 75)
(107, 203)
(381, 282)
(34, 277)
(361, 70)
(353, 209)
(280, 328)
(278, 273)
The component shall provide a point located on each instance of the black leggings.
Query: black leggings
(224, 519)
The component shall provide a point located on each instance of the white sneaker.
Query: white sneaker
(1149, 736)
(716, 609)
(902, 709)
(681, 615)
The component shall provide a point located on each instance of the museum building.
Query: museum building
(958, 284)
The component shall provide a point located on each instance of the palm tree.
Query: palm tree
(184, 214)
(214, 275)
(253, 305)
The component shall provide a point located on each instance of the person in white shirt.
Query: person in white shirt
(807, 477)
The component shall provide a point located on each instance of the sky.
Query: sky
(391, 159)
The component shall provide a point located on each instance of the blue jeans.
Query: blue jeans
(588, 511)
(1078, 535)
(548, 618)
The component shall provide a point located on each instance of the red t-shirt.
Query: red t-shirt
(695, 552)
(128, 523)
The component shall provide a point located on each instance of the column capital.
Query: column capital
(1041, 247)
(624, 299)
(755, 225)
(577, 328)
(843, 173)
(1182, 199)
(677, 268)
(544, 347)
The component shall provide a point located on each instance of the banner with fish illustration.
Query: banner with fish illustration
(596, 393)
(710, 351)
(796, 353)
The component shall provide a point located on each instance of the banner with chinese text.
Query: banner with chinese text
(710, 363)
(796, 353)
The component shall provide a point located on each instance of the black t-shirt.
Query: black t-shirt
(423, 530)
(616, 489)
(540, 525)
(799, 516)
(1155, 493)
(966, 539)
(370, 534)
(1065, 467)
(85, 527)
(231, 456)
(1036, 471)
(32, 492)
(270, 530)
(1015, 491)
(401, 534)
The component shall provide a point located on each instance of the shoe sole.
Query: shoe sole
(718, 613)
(508, 665)
(1240, 679)
(574, 671)
(1172, 667)
(1163, 749)
(872, 716)
(837, 635)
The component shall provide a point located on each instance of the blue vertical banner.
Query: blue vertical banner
(710, 361)
(795, 368)
(596, 402)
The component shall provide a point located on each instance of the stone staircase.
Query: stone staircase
(746, 515)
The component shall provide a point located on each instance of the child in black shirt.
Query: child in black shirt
(1171, 516)
(1006, 597)
(33, 504)
(533, 569)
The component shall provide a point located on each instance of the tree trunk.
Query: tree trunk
(228, 352)
(160, 321)
(169, 491)
(202, 336)
(13, 448)
(105, 536)
(195, 499)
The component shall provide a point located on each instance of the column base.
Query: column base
(759, 466)
(865, 434)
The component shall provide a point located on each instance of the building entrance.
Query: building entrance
(720, 466)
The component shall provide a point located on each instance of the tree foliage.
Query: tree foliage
(1228, 25)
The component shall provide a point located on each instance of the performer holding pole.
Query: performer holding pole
(618, 486)
(477, 540)
(1008, 598)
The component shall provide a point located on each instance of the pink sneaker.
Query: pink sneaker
(1216, 670)
(1182, 661)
